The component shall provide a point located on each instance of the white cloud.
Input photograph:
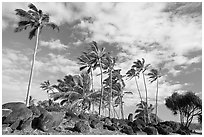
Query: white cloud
(54, 44)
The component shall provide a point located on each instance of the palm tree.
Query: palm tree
(133, 73)
(141, 67)
(36, 20)
(154, 76)
(46, 86)
(76, 92)
(85, 63)
(109, 65)
(97, 57)
(141, 110)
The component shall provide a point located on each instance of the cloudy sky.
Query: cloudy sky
(166, 35)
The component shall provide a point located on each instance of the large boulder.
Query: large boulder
(6, 112)
(164, 129)
(20, 114)
(107, 121)
(82, 126)
(111, 128)
(127, 130)
(96, 124)
(174, 125)
(150, 130)
(49, 120)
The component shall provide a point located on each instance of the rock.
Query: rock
(115, 121)
(6, 130)
(127, 130)
(6, 112)
(70, 115)
(84, 116)
(112, 127)
(138, 123)
(82, 127)
(164, 129)
(49, 120)
(107, 121)
(58, 118)
(94, 117)
(16, 117)
(174, 125)
(130, 117)
(26, 126)
(150, 130)
(36, 110)
(96, 124)
(13, 105)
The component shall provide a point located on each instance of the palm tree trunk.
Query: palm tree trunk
(32, 67)
(121, 108)
(101, 99)
(147, 117)
(110, 96)
(92, 86)
(157, 99)
(138, 89)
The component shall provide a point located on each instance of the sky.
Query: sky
(166, 35)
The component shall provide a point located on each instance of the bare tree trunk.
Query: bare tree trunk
(101, 99)
(32, 68)
(121, 108)
(147, 116)
(110, 96)
(157, 99)
(138, 89)
(92, 88)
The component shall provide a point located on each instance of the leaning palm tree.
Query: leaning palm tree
(36, 20)
(154, 76)
(133, 73)
(141, 68)
(109, 64)
(97, 56)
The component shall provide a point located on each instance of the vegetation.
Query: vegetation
(36, 20)
(187, 105)
(77, 93)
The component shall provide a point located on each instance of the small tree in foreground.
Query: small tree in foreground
(188, 105)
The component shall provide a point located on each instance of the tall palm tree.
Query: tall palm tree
(141, 68)
(36, 20)
(97, 56)
(109, 65)
(133, 73)
(85, 63)
(154, 76)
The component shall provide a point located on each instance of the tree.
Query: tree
(133, 73)
(140, 112)
(154, 76)
(46, 86)
(188, 105)
(141, 67)
(109, 65)
(36, 20)
(97, 55)
(75, 92)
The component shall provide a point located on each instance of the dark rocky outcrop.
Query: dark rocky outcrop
(82, 126)
(96, 124)
(150, 130)
(127, 130)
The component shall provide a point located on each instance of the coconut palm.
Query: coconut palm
(36, 20)
(141, 110)
(109, 64)
(154, 76)
(76, 92)
(97, 56)
(141, 68)
(133, 73)
(46, 86)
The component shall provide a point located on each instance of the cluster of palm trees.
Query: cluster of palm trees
(81, 86)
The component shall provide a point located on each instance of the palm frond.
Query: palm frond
(33, 7)
(32, 33)
(52, 25)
